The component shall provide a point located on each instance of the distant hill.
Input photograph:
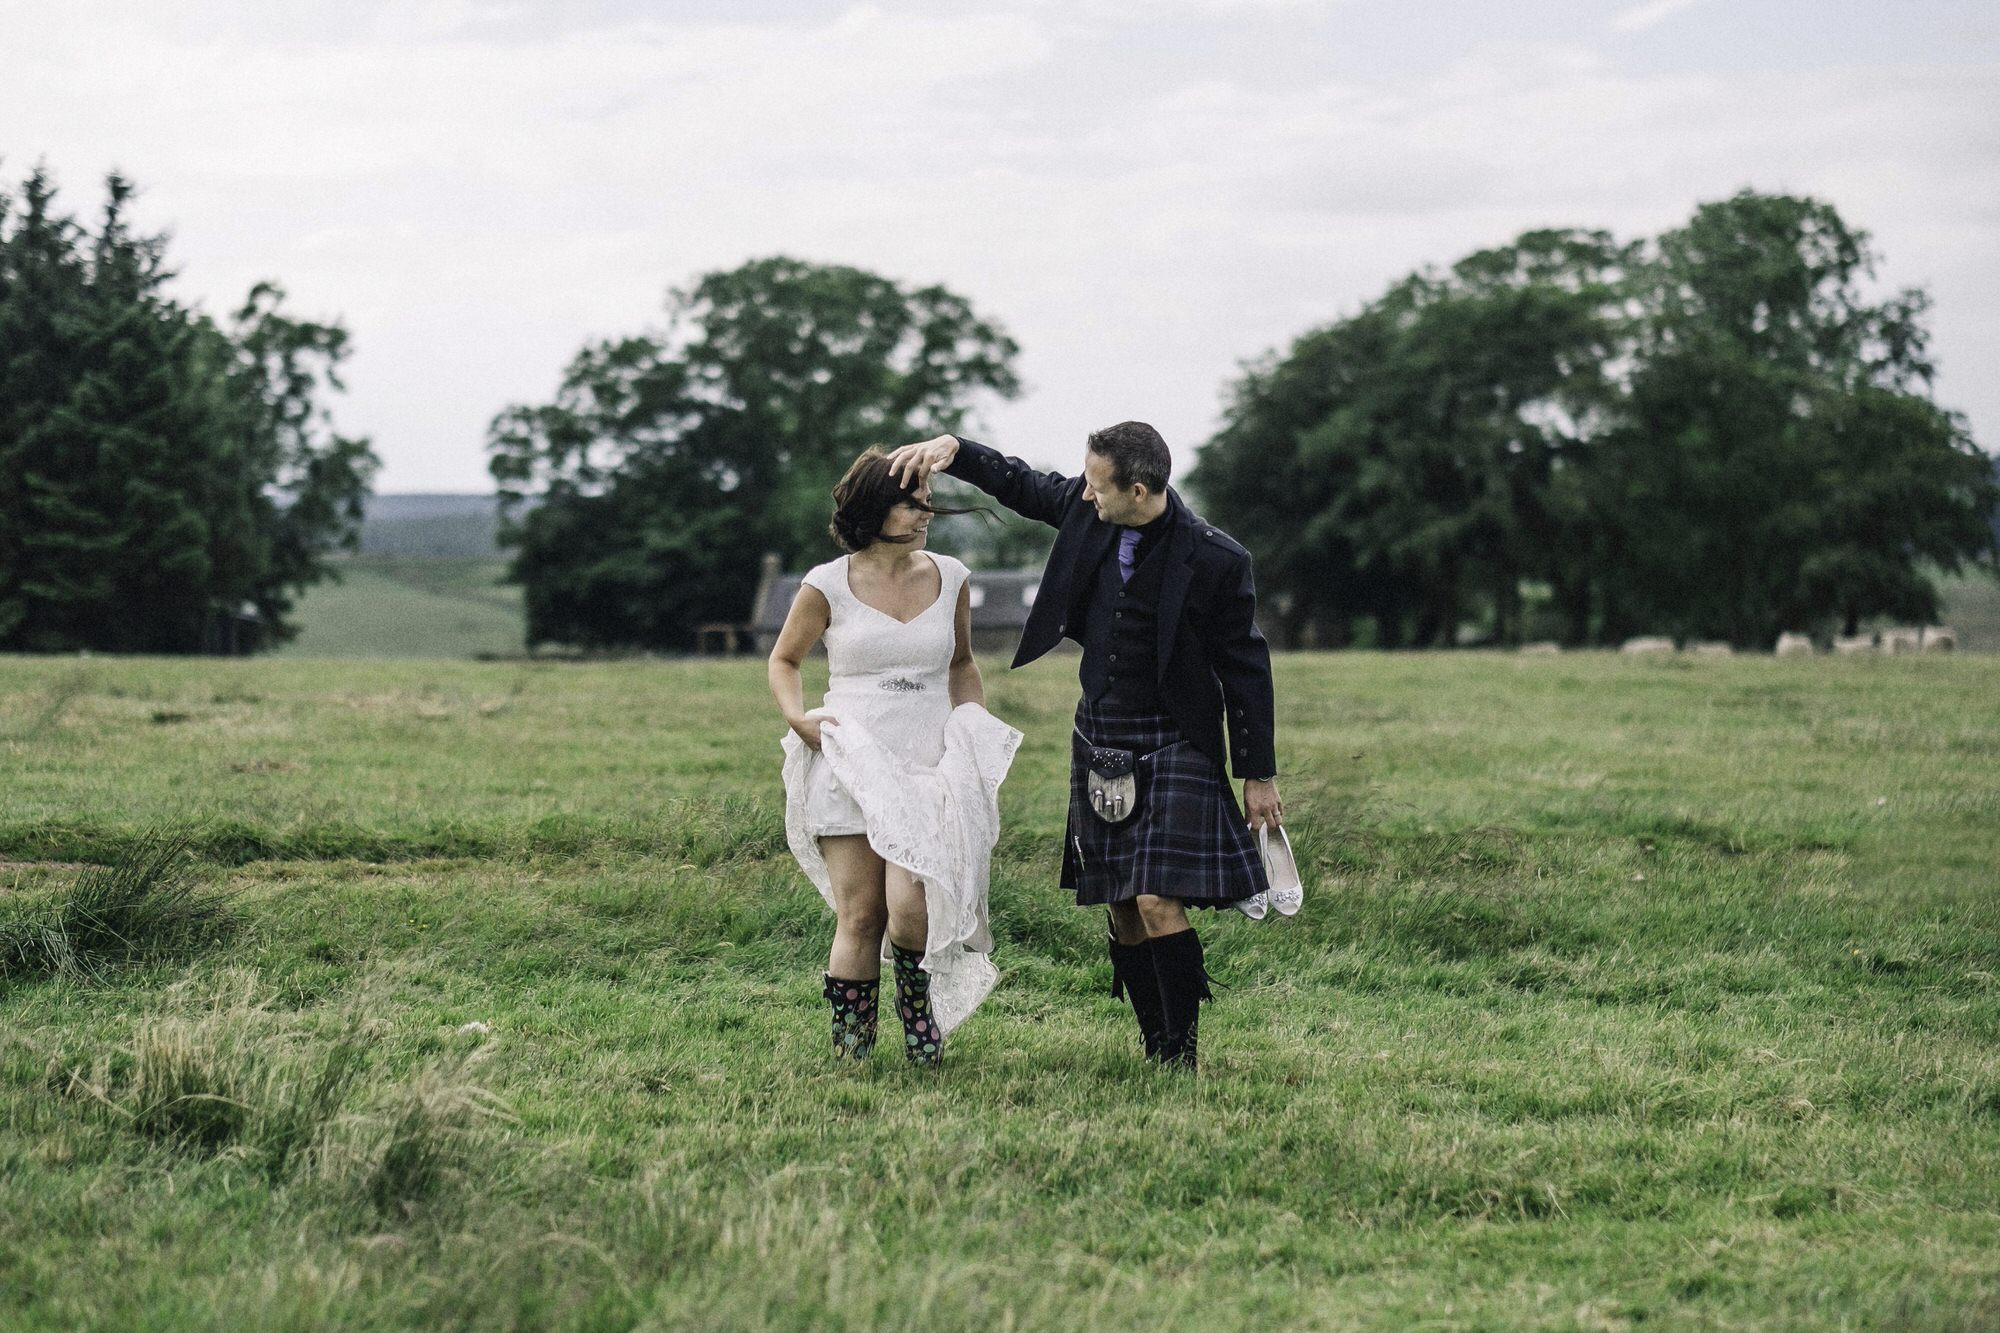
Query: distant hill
(411, 606)
(1972, 607)
(426, 583)
(1996, 512)
(433, 525)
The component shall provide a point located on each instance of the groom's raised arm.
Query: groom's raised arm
(1046, 497)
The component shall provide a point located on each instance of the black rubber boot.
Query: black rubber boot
(1133, 976)
(1183, 986)
(854, 1008)
(923, 1039)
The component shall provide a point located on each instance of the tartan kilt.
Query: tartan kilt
(1186, 840)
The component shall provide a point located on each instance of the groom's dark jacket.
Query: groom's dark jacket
(1214, 666)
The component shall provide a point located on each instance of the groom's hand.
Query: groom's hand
(912, 464)
(1261, 804)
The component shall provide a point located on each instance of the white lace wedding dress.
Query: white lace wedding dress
(920, 777)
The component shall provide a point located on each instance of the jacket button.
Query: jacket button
(1114, 657)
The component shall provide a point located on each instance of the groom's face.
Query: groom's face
(1115, 504)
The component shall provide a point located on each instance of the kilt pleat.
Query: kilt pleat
(1187, 839)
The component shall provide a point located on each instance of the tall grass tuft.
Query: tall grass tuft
(225, 1078)
(233, 1081)
(291, 1127)
(144, 905)
(421, 1142)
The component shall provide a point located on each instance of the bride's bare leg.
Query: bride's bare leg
(859, 905)
(909, 920)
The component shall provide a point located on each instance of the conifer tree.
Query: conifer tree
(158, 474)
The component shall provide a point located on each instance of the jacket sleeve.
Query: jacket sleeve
(1242, 661)
(1046, 497)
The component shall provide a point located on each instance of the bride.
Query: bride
(891, 785)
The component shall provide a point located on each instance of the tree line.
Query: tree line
(1715, 433)
(168, 481)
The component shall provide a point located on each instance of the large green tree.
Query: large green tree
(641, 501)
(1401, 466)
(1782, 465)
(1717, 435)
(159, 474)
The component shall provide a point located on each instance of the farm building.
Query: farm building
(1000, 603)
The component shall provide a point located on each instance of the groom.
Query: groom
(1174, 670)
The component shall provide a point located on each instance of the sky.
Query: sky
(1145, 193)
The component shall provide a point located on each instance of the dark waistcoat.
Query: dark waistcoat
(1120, 624)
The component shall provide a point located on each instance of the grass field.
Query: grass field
(1629, 994)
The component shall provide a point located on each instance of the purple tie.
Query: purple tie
(1128, 542)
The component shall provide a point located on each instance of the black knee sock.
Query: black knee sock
(1133, 975)
(923, 1039)
(854, 1006)
(1183, 986)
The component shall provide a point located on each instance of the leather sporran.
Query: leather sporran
(1111, 780)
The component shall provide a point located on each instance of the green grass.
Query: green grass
(1629, 993)
(410, 606)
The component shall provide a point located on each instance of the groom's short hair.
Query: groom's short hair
(1138, 455)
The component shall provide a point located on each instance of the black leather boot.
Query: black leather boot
(1183, 986)
(1133, 977)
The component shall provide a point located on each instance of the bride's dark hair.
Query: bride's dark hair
(863, 498)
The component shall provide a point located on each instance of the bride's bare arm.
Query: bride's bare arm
(966, 686)
(804, 624)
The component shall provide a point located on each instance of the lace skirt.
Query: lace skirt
(937, 822)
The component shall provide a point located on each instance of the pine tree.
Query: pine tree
(157, 473)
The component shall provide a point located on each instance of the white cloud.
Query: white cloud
(1640, 17)
(478, 188)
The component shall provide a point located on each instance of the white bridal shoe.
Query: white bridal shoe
(1288, 891)
(1253, 906)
